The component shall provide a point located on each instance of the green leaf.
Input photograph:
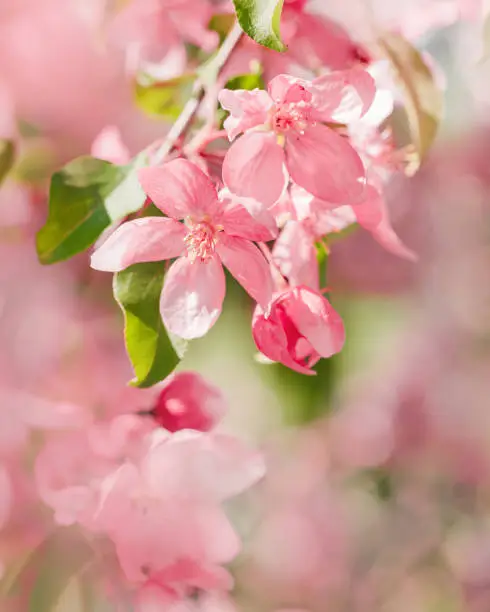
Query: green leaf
(252, 80)
(50, 568)
(137, 291)
(85, 197)
(423, 98)
(7, 157)
(164, 99)
(261, 19)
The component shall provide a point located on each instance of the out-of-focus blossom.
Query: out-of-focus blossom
(149, 30)
(187, 401)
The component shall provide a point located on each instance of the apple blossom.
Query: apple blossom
(145, 477)
(216, 231)
(284, 129)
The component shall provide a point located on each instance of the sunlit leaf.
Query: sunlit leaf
(150, 349)
(85, 197)
(164, 99)
(423, 97)
(7, 157)
(261, 19)
(252, 80)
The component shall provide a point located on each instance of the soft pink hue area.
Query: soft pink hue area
(156, 496)
(150, 30)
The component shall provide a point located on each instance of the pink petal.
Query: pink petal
(247, 109)
(147, 239)
(344, 96)
(192, 296)
(202, 466)
(109, 146)
(294, 254)
(192, 19)
(319, 37)
(317, 321)
(271, 340)
(372, 214)
(286, 89)
(370, 211)
(247, 264)
(334, 221)
(180, 189)
(254, 167)
(388, 239)
(325, 164)
(246, 218)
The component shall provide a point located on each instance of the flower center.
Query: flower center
(200, 240)
(291, 116)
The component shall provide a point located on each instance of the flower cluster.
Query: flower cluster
(155, 495)
(310, 162)
(272, 158)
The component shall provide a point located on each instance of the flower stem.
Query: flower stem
(216, 65)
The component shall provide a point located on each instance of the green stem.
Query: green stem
(214, 67)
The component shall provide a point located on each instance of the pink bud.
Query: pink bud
(300, 328)
(187, 401)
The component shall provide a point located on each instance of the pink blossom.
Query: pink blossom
(313, 40)
(70, 468)
(187, 401)
(217, 230)
(317, 41)
(153, 29)
(163, 510)
(21, 412)
(284, 129)
(300, 329)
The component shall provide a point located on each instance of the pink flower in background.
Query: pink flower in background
(284, 128)
(163, 510)
(216, 232)
(150, 30)
(301, 328)
(316, 39)
(188, 401)
(70, 468)
(313, 42)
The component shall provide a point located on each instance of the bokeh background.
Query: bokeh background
(377, 496)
